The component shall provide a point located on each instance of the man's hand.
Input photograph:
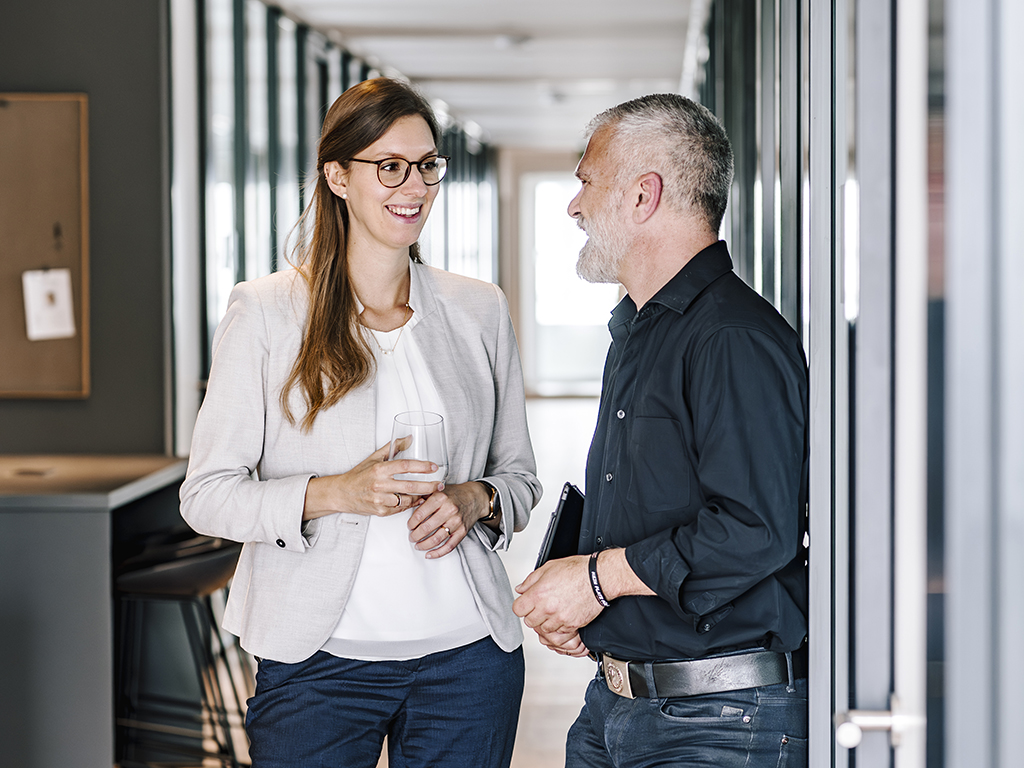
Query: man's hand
(556, 599)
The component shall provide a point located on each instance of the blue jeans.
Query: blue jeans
(453, 709)
(753, 728)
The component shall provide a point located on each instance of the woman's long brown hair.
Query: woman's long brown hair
(335, 356)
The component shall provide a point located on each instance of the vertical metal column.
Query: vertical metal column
(346, 70)
(871, 629)
(823, 293)
(302, 94)
(241, 135)
(737, 112)
(274, 128)
(791, 140)
(985, 378)
(842, 73)
(911, 365)
(769, 146)
(1010, 381)
(187, 206)
(970, 387)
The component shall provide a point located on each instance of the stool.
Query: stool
(190, 573)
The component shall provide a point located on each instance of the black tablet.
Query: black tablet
(563, 534)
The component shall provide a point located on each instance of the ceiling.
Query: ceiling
(525, 73)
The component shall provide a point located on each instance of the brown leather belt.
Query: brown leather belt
(695, 677)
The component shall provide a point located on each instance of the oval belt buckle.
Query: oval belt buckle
(616, 675)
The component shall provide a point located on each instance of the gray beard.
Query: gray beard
(601, 258)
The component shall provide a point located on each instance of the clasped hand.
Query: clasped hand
(441, 515)
(556, 601)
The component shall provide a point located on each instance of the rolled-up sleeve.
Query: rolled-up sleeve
(748, 400)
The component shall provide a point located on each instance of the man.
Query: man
(694, 599)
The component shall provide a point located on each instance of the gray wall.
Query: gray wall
(113, 51)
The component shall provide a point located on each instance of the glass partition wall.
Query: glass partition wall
(876, 204)
(807, 91)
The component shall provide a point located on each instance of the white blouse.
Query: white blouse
(402, 605)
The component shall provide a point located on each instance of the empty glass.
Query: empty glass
(426, 430)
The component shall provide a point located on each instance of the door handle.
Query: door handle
(850, 726)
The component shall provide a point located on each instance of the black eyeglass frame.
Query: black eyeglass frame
(408, 168)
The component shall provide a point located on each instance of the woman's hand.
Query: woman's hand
(564, 643)
(445, 517)
(370, 487)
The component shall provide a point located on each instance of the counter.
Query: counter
(56, 618)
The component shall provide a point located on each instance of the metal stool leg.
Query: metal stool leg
(198, 717)
(207, 653)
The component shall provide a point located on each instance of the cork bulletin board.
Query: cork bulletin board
(44, 237)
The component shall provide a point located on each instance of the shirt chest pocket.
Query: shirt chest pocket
(659, 478)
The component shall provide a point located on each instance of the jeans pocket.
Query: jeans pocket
(273, 674)
(792, 752)
(706, 709)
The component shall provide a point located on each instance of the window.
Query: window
(565, 318)
(266, 82)
(221, 225)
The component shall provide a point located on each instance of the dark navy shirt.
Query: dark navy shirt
(698, 468)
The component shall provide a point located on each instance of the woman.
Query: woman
(376, 606)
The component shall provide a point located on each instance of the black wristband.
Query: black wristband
(595, 584)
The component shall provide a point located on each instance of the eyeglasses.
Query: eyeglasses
(393, 171)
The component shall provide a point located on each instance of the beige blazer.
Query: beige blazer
(249, 466)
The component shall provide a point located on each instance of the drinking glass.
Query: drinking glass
(428, 444)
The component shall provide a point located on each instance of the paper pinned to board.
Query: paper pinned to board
(49, 309)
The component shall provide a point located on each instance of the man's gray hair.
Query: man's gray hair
(681, 141)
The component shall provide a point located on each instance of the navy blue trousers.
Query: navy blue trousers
(453, 709)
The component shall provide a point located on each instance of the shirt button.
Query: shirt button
(280, 543)
(621, 414)
(608, 477)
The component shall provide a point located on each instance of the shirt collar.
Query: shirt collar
(697, 274)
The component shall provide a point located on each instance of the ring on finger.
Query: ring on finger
(399, 497)
(446, 530)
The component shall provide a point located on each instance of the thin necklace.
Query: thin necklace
(397, 338)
